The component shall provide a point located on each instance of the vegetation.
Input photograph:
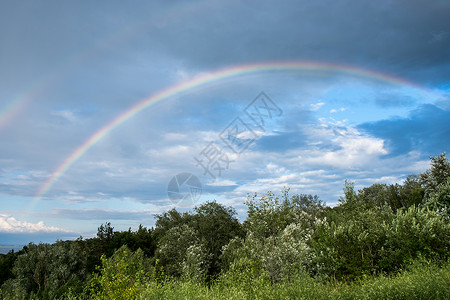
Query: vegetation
(381, 242)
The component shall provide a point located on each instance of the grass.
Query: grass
(419, 281)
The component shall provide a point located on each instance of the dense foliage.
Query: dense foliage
(383, 241)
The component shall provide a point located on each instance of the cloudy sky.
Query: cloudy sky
(104, 103)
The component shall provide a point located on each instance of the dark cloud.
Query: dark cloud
(407, 38)
(425, 129)
(402, 37)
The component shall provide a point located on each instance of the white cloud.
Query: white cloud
(222, 182)
(316, 106)
(10, 224)
(67, 115)
(333, 111)
(355, 152)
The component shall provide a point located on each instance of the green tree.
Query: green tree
(105, 231)
(276, 243)
(348, 244)
(7, 263)
(412, 192)
(276, 257)
(213, 224)
(216, 225)
(413, 233)
(440, 200)
(395, 196)
(376, 194)
(196, 263)
(438, 174)
(350, 195)
(167, 220)
(122, 276)
(44, 268)
(142, 238)
(268, 215)
(173, 252)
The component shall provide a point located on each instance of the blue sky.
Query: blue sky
(69, 68)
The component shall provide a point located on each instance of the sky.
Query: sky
(116, 112)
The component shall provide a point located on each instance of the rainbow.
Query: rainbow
(9, 111)
(207, 79)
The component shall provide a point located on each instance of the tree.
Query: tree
(44, 268)
(411, 192)
(440, 200)
(269, 215)
(276, 243)
(278, 257)
(105, 232)
(348, 244)
(350, 196)
(395, 196)
(122, 276)
(376, 194)
(7, 263)
(168, 220)
(142, 238)
(413, 233)
(216, 225)
(438, 174)
(173, 252)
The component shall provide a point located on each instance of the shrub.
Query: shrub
(122, 276)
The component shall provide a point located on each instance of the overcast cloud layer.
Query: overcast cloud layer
(69, 68)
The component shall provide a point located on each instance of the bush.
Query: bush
(122, 276)
(415, 233)
(348, 244)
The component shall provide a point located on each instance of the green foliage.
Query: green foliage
(196, 263)
(216, 225)
(415, 233)
(350, 196)
(140, 239)
(43, 269)
(105, 232)
(122, 276)
(277, 257)
(348, 245)
(278, 229)
(108, 241)
(158, 274)
(181, 251)
(438, 174)
(270, 214)
(7, 263)
(440, 200)
(394, 196)
(206, 231)
(381, 242)
(411, 192)
(419, 281)
(167, 220)
(376, 194)
(360, 238)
